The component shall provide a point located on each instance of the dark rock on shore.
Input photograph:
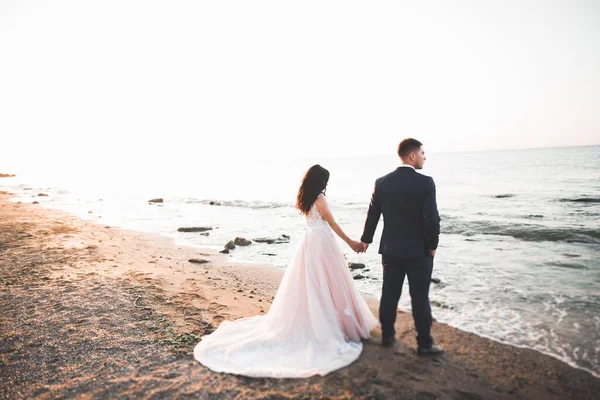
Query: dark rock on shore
(204, 234)
(224, 251)
(240, 241)
(194, 229)
(159, 200)
(437, 281)
(42, 195)
(198, 261)
(354, 266)
(230, 245)
(36, 202)
(359, 276)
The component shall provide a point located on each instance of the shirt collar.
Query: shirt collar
(407, 166)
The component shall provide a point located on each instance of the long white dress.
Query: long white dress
(314, 326)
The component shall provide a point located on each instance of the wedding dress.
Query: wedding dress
(314, 326)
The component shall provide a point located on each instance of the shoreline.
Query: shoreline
(228, 289)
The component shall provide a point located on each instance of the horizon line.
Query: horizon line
(453, 151)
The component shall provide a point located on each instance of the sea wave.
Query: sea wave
(238, 203)
(567, 265)
(525, 232)
(581, 200)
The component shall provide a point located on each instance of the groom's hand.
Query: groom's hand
(432, 252)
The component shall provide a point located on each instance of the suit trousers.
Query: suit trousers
(418, 271)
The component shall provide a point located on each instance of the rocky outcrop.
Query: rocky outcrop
(194, 229)
(42, 195)
(359, 276)
(230, 245)
(158, 200)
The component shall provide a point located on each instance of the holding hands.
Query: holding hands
(358, 247)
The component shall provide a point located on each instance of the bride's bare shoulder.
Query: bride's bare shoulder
(321, 201)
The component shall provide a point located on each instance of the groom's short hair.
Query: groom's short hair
(408, 146)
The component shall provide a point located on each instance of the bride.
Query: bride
(317, 319)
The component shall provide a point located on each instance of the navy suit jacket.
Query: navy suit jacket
(411, 222)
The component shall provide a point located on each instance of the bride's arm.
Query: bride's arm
(323, 208)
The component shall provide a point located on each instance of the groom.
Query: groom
(408, 242)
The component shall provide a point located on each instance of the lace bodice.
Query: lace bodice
(314, 219)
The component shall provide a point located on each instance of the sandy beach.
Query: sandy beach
(94, 311)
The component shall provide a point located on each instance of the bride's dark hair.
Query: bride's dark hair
(313, 184)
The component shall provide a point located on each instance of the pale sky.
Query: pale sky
(158, 81)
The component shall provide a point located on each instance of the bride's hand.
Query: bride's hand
(354, 245)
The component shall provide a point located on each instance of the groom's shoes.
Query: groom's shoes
(387, 341)
(434, 350)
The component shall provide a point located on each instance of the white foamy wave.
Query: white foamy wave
(238, 203)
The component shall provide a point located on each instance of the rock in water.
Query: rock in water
(240, 241)
(354, 266)
(159, 200)
(264, 240)
(194, 229)
(277, 240)
(230, 245)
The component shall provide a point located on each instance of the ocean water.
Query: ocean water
(519, 255)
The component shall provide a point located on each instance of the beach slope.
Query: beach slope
(95, 311)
